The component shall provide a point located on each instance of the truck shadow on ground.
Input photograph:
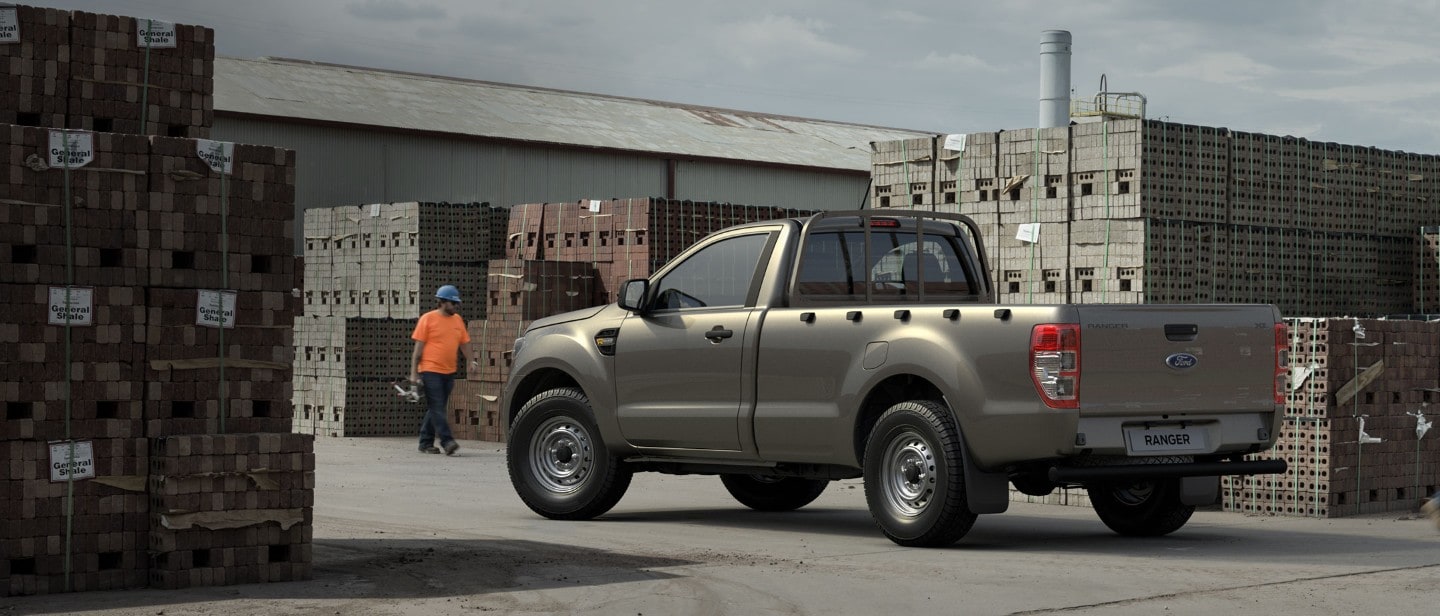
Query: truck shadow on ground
(1024, 532)
(395, 569)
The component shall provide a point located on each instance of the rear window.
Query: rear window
(835, 266)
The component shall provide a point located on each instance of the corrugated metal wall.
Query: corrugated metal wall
(755, 185)
(345, 166)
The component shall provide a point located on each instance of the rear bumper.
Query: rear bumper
(1164, 471)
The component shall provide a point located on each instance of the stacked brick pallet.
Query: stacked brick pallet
(568, 256)
(37, 84)
(371, 271)
(79, 70)
(1426, 287)
(520, 292)
(150, 236)
(1134, 211)
(1343, 371)
(230, 509)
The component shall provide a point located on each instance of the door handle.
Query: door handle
(718, 334)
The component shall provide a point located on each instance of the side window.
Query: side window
(899, 270)
(831, 268)
(719, 275)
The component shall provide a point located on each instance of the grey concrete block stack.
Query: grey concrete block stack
(1134, 211)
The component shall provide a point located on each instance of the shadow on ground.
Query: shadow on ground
(393, 569)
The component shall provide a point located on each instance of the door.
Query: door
(679, 368)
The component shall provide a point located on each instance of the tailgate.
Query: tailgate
(1146, 359)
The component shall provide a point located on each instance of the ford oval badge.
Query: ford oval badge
(1181, 361)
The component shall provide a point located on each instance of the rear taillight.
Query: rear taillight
(1282, 362)
(1055, 364)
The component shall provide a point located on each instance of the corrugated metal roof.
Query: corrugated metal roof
(331, 93)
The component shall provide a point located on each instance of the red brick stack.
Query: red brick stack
(520, 291)
(1338, 378)
(140, 229)
(230, 509)
(113, 78)
(108, 532)
(36, 85)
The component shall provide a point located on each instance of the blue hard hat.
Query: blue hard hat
(448, 293)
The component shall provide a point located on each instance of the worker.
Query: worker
(439, 336)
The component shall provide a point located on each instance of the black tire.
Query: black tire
(764, 493)
(558, 463)
(915, 476)
(1142, 508)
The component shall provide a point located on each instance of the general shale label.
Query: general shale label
(215, 309)
(65, 466)
(9, 25)
(155, 33)
(220, 155)
(71, 305)
(71, 149)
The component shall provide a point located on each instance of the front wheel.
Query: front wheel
(915, 476)
(1141, 509)
(558, 463)
(765, 493)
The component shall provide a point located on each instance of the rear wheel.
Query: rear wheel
(1142, 508)
(914, 476)
(766, 493)
(558, 463)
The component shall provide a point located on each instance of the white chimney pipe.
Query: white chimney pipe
(1054, 78)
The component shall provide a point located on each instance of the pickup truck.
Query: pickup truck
(784, 355)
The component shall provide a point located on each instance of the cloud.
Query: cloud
(393, 10)
(909, 18)
(1377, 93)
(1229, 68)
(780, 40)
(954, 62)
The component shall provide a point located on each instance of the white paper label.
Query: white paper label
(63, 466)
(71, 149)
(9, 25)
(155, 34)
(374, 210)
(955, 142)
(215, 309)
(81, 305)
(1029, 232)
(594, 205)
(220, 155)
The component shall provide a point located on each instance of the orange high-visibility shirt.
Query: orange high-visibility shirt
(442, 336)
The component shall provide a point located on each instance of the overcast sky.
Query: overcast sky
(1362, 73)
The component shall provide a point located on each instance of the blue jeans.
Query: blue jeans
(437, 393)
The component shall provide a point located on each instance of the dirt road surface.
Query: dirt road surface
(399, 532)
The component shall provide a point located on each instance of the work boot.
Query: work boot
(430, 449)
(451, 447)
(1432, 508)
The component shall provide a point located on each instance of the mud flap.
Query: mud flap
(1199, 490)
(989, 492)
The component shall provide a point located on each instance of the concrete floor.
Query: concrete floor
(398, 532)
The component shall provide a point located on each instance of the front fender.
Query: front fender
(568, 349)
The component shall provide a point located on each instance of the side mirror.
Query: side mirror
(632, 294)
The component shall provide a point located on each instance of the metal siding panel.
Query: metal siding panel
(756, 185)
(339, 166)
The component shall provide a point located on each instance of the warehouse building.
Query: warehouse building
(371, 136)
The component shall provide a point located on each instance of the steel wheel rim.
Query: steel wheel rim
(562, 454)
(908, 474)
